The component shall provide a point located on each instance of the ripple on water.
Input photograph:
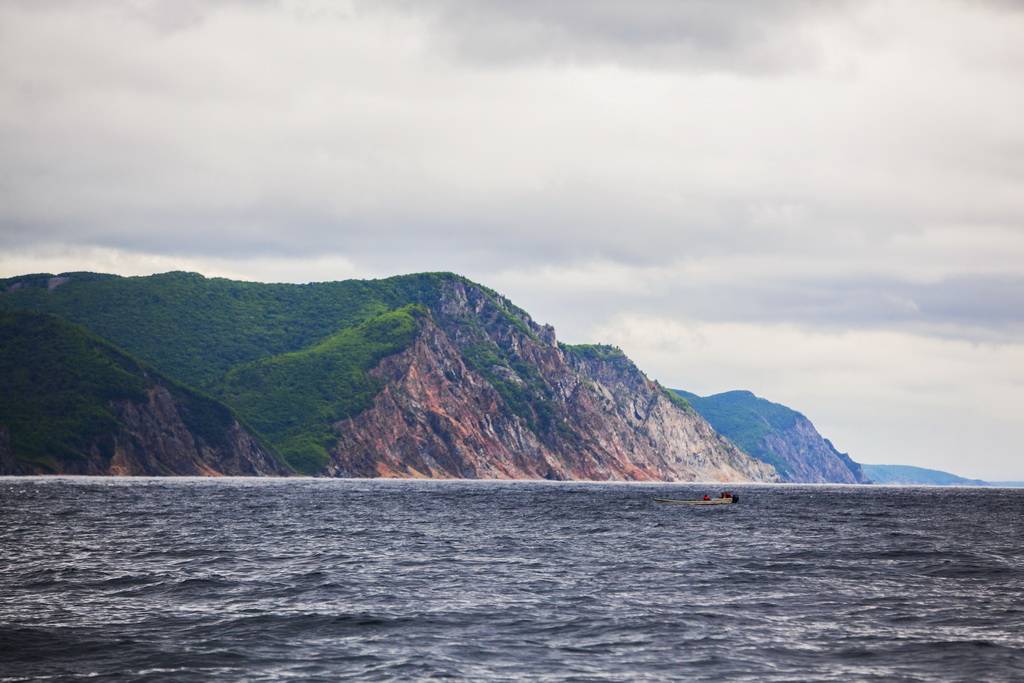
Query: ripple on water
(381, 580)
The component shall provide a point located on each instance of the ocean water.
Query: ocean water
(370, 580)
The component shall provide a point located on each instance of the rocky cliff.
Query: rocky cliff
(72, 404)
(810, 458)
(426, 375)
(484, 392)
(777, 435)
(152, 440)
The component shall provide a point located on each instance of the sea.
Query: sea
(237, 579)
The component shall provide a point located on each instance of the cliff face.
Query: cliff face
(811, 458)
(72, 404)
(152, 440)
(426, 375)
(484, 392)
(778, 435)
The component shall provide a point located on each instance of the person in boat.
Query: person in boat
(726, 494)
(706, 498)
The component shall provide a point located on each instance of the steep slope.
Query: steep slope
(420, 375)
(777, 435)
(72, 404)
(195, 328)
(294, 398)
(484, 392)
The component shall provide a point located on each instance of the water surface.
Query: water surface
(263, 579)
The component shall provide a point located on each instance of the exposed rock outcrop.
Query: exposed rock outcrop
(70, 403)
(778, 435)
(484, 392)
(811, 458)
(153, 440)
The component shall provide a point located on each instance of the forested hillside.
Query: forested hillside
(906, 475)
(421, 375)
(197, 328)
(777, 435)
(72, 403)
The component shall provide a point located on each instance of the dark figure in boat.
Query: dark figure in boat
(706, 500)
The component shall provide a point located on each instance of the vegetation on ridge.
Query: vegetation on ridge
(58, 383)
(196, 328)
(293, 360)
(604, 352)
(294, 398)
(746, 420)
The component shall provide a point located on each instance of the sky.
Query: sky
(818, 201)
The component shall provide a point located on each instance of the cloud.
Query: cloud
(699, 35)
(828, 295)
(309, 127)
(840, 168)
(61, 258)
(292, 127)
(885, 397)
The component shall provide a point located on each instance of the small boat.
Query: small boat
(710, 501)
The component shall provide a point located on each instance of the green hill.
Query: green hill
(777, 435)
(57, 382)
(468, 385)
(291, 359)
(292, 398)
(196, 328)
(746, 420)
(64, 394)
(908, 475)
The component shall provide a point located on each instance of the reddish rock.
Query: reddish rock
(588, 418)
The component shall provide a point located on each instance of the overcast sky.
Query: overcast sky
(819, 201)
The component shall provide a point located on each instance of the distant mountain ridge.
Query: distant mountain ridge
(777, 435)
(426, 375)
(909, 475)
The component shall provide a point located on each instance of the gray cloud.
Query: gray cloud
(835, 167)
(975, 308)
(289, 130)
(703, 35)
(972, 308)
